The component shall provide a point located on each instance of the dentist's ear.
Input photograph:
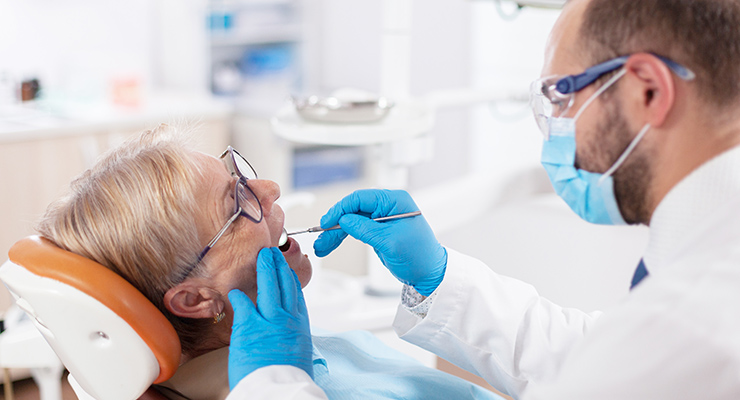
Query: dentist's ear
(189, 300)
(652, 89)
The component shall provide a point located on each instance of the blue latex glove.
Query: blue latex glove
(276, 331)
(407, 247)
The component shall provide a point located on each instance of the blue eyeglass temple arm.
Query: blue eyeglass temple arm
(574, 83)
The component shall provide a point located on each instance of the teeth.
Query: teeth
(283, 238)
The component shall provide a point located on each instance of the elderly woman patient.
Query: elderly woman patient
(186, 228)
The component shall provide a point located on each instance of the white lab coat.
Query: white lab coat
(676, 336)
(496, 327)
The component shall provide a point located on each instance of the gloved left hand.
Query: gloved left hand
(276, 331)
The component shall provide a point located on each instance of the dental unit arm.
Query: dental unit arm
(113, 340)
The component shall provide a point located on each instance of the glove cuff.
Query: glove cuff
(429, 285)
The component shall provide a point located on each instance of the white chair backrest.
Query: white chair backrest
(114, 342)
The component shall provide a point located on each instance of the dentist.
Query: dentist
(638, 105)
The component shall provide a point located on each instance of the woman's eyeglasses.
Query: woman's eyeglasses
(246, 203)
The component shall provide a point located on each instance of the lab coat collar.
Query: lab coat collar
(690, 202)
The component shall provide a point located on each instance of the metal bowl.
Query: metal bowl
(337, 110)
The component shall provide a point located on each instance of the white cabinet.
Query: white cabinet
(255, 51)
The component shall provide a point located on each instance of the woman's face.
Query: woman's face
(232, 261)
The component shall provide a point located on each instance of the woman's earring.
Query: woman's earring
(219, 317)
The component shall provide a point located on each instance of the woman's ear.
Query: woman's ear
(189, 300)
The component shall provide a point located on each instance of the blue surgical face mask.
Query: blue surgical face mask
(589, 194)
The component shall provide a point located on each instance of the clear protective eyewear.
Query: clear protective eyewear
(552, 96)
(246, 203)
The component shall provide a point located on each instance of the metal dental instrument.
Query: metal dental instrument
(320, 229)
(283, 239)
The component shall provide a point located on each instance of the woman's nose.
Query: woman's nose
(267, 192)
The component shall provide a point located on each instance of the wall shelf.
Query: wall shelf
(257, 35)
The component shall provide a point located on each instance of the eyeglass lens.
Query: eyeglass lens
(242, 166)
(546, 103)
(247, 200)
(541, 106)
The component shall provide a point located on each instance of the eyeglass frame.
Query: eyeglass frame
(238, 210)
(566, 86)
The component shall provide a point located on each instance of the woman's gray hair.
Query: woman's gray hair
(134, 212)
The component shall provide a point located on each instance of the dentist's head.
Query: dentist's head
(647, 89)
(183, 227)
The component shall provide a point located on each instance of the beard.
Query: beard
(632, 179)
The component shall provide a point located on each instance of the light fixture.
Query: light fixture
(541, 3)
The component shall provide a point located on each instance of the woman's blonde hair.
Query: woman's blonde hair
(134, 212)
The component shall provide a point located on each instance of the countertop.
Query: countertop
(46, 119)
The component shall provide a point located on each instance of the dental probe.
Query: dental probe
(284, 235)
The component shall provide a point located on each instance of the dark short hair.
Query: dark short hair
(703, 35)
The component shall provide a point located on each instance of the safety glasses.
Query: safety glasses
(246, 203)
(553, 96)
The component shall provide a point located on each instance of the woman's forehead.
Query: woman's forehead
(214, 176)
(211, 166)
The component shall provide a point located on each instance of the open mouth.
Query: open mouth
(284, 241)
(285, 247)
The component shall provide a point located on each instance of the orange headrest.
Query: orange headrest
(41, 257)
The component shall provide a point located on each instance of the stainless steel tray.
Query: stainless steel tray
(337, 110)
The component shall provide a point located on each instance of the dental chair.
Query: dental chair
(113, 341)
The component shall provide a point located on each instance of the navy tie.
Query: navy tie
(640, 273)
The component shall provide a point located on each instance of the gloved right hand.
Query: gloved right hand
(276, 331)
(407, 247)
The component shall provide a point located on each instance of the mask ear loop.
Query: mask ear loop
(624, 155)
(632, 144)
(601, 90)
